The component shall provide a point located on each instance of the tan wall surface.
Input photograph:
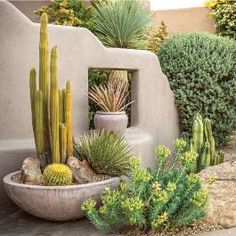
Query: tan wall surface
(194, 19)
(178, 20)
(154, 115)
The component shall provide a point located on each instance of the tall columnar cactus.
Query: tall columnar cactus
(203, 143)
(54, 109)
(50, 107)
(44, 78)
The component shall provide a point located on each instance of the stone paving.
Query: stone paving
(14, 222)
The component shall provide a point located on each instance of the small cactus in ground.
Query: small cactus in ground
(51, 108)
(203, 143)
(57, 175)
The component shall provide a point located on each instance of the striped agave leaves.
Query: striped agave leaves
(111, 97)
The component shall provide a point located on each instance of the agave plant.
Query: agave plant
(106, 152)
(111, 97)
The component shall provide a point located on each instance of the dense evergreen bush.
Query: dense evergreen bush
(153, 199)
(201, 69)
(224, 13)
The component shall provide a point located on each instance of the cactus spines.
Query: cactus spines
(57, 175)
(210, 138)
(61, 107)
(205, 158)
(44, 76)
(33, 88)
(54, 108)
(197, 133)
(68, 118)
(63, 143)
(39, 139)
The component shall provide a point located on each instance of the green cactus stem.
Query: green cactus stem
(68, 118)
(39, 138)
(44, 76)
(54, 108)
(205, 158)
(198, 134)
(63, 143)
(210, 138)
(61, 107)
(33, 88)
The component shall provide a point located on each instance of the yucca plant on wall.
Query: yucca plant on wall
(121, 24)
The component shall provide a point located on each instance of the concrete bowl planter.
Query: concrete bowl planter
(111, 121)
(58, 203)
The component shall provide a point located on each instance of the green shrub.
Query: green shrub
(57, 174)
(164, 197)
(201, 69)
(68, 12)
(224, 13)
(106, 152)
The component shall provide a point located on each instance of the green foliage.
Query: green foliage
(201, 69)
(121, 23)
(106, 152)
(167, 196)
(224, 12)
(68, 12)
(57, 175)
(203, 143)
(156, 37)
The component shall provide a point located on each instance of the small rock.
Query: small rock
(222, 193)
(82, 172)
(31, 172)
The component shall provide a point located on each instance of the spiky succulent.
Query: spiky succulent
(121, 23)
(106, 152)
(111, 97)
(57, 174)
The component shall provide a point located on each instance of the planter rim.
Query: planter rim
(111, 112)
(7, 180)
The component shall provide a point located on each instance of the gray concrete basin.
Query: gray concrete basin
(58, 203)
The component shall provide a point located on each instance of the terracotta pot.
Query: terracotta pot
(58, 203)
(111, 121)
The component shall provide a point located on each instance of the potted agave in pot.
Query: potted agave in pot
(111, 98)
(55, 184)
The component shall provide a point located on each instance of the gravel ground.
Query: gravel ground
(230, 150)
(197, 227)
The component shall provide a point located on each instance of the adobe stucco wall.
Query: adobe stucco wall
(194, 19)
(154, 115)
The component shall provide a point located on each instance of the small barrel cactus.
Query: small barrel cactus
(57, 174)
